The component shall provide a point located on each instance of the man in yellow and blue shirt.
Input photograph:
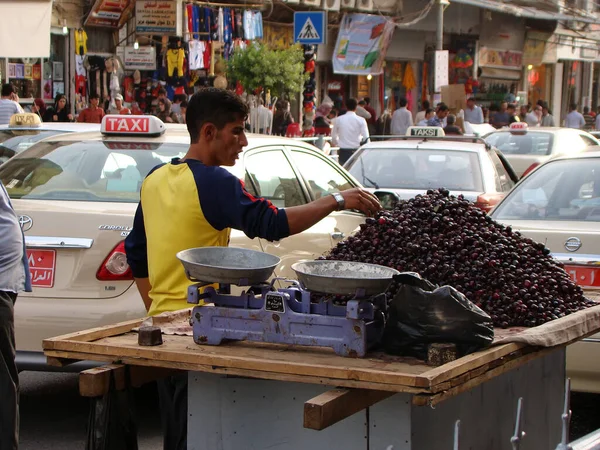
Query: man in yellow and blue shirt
(194, 202)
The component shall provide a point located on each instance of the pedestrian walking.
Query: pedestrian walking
(14, 278)
(93, 113)
(547, 117)
(589, 119)
(372, 122)
(574, 119)
(9, 103)
(208, 202)
(440, 117)
(499, 119)
(401, 119)
(473, 113)
(349, 131)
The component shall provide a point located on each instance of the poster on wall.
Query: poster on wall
(20, 71)
(143, 58)
(59, 88)
(156, 17)
(361, 45)
(502, 59)
(57, 71)
(37, 72)
(48, 90)
(28, 71)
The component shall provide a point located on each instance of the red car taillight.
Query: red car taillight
(530, 168)
(488, 201)
(115, 265)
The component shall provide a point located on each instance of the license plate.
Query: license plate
(42, 264)
(584, 276)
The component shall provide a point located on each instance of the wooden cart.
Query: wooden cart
(263, 396)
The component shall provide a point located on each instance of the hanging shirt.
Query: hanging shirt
(258, 25)
(79, 67)
(221, 25)
(248, 26)
(196, 54)
(208, 202)
(175, 58)
(80, 42)
(189, 20)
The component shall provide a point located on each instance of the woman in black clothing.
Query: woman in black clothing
(60, 112)
(282, 118)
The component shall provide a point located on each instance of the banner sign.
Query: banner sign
(502, 59)
(109, 13)
(361, 45)
(156, 17)
(144, 58)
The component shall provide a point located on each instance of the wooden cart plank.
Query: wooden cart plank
(152, 363)
(93, 334)
(333, 406)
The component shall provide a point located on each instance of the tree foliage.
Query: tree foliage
(258, 66)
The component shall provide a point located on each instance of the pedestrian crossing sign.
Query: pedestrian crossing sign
(310, 27)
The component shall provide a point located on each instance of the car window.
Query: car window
(560, 190)
(530, 143)
(269, 174)
(322, 176)
(13, 142)
(395, 168)
(588, 141)
(503, 181)
(85, 171)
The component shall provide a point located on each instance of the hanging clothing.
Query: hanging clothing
(248, 26)
(221, 29)
(196, 54)
(175, 58)
(258, 25)
(239, 26)
(79, 67)
(80, 42)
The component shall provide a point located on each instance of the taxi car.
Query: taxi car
(426, 159)
(526, 148)
(26, 129)
(76, 195)
(559, 204)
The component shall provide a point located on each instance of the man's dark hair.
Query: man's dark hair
(216, 106)
(367, 100)
(471, 99)
(586, 110)
(511, 106)
(183, 104)
(351, 104)
(93, 95)
(428, 111)
(451, 120)
(426, 104)
(403, 102)
(573, 106)
(7, 89)
(362, 103)
(162, 91)
(442, 107)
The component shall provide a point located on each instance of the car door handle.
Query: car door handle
(337, 236)
(57, 242)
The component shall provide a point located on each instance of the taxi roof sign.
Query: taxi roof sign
(518, 127)
(117, 125)
(425, 131)
(25, 120)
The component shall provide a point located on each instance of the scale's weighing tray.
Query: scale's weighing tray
(344, 277)
(228, 265)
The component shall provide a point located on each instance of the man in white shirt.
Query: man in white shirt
(349, 131)
(422, 115)
(534, 117)
(401, 119)
(8, 103)
(264, 118)
(574, 118)
(473, 113)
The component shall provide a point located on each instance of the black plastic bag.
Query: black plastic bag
(422, 313)
(111, 423)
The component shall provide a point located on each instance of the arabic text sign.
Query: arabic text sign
(144, 58)
(41, 267)
(362, 43)
(505, 59)
(156, 16)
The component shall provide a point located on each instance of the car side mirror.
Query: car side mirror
(388, 199)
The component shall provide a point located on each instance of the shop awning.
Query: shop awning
(25, 30)
(527, 11)
(500, 74)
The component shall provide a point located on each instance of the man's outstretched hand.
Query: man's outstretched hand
(363, 201)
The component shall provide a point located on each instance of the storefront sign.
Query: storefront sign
(144, 58)
(361, 45)
(334, 86)
(441, 69)
(504, 59)
(533, 51)
(109, 13)
(156, 16)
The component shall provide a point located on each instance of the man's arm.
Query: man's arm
(334, 133)
(137, 256)
(480, 114)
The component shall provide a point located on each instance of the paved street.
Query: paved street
(54, 417)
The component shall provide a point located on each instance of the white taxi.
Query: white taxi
(526, 148)
(427, 159)
(25, 129)
(76, 195)
(559, 204)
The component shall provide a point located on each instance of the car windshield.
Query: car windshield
(13, 141)
(418, 169)
(561, 190)
(531, 143)
(85, 171)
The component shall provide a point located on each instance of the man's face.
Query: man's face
(118, 103)
(503, 106)
(229, 143)
(443, 114)
(523, 109)
(470, 104)
(511, 111)
(94, 102)
(544, 111)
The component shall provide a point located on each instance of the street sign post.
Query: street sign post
(310, 27)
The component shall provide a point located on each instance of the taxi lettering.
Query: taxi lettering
(127, 125)
(424, 132)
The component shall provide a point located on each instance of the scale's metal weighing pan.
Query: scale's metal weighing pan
(344, 277)
(228, 265)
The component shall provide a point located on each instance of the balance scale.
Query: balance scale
(303, 312)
